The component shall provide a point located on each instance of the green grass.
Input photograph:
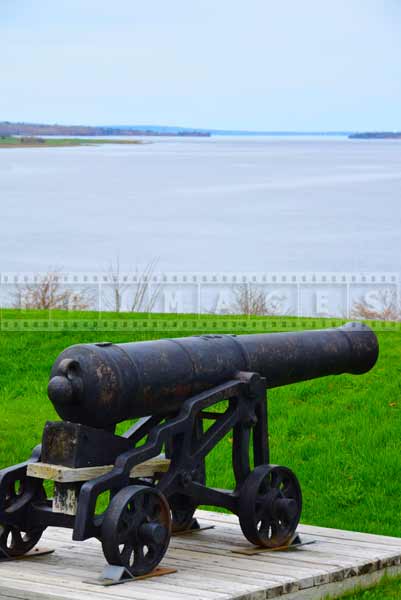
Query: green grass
(341, 435)
(38, 142)
(387, 589)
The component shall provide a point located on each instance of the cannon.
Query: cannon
(132, 491)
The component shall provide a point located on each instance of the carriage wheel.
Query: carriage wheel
(270, 506)
(14, 540)
(182, 512)
(136, 529)
(182, 506)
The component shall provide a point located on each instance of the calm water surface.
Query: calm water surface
(204, 204)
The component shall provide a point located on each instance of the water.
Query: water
(257, 204)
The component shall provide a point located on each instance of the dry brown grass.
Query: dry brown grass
(141, 297)
(47, 293)
(385, 306)
(253, 301)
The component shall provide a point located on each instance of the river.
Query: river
(202, 204)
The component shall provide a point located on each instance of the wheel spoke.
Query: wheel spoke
(265, 485)
(279, 530)
(4, 532)
(182, 509)
(263, 504)
(126, 553)
(262, 498)
(17, 541)
(260, 511)
(285, 521)
(151, 506)
(264, 526)
(277, 479)
(127, 520)
(138, 552)
(157, 511)
(10, 495)
(3, 529)
(124, 536)
(178, 514)
(138, 503)
(289, 491)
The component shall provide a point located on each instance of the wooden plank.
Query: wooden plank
(340, 587)
(359, 541)
(207, 569)
(57, 575)
(60, 587)
(326, 559)
(218, 581)
(82, 559)
(229, 520)
(278, 573)
(262, 580)
(220, 534)
(65, 474)
(42, 591)
(365, 538)
(345, 559)
(232, 541)
(68, 475)
(319, 555)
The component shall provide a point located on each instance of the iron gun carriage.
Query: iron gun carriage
(186, 395)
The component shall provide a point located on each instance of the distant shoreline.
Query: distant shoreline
(43, 129)
(38, 142)
(8, 128)
(376, 135)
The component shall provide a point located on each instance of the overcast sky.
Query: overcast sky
(240, 64)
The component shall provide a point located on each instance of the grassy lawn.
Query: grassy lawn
(341, 435)
(387, 589)
(38, 142)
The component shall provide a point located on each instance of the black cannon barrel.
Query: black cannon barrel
(103, 384)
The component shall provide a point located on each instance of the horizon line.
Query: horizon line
(186, 127)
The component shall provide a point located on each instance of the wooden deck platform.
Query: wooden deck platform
(209, 566)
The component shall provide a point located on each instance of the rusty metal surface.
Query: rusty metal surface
(103, 384)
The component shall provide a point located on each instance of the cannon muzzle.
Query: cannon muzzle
(103, 384)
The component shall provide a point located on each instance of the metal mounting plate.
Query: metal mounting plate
(194, 528)
(115, 575)
(296, 543)
(31, 554)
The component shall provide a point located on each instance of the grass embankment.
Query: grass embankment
(341, 435)
(38, 142)
(387, 589)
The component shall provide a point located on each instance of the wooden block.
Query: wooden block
(69, 475)
(77, 446)
(65, 499)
